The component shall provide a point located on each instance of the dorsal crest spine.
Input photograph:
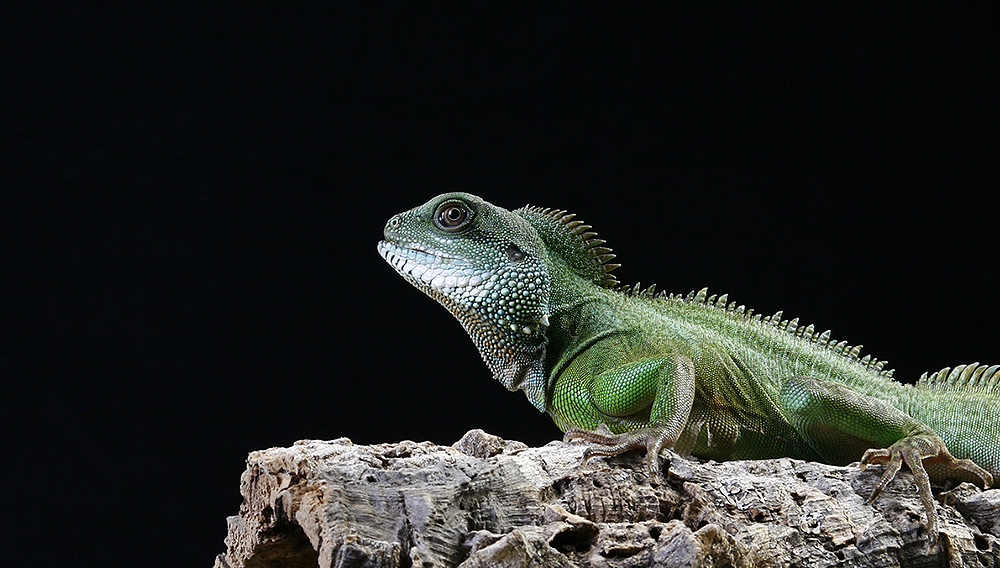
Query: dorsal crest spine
(590, 254)
(964, 378)
(588, 251)
(792, 326)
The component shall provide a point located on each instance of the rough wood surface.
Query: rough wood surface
(486, 501)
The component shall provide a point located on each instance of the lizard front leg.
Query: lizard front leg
(664, 385)
(843, 425)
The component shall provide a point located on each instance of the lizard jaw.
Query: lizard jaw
(463, 289)
(428, 270)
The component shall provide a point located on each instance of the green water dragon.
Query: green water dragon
(628, 368)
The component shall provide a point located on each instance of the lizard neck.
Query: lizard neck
(520, 351)
(507, 320)
(581, 314)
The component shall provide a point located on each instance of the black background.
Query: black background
(195, 195)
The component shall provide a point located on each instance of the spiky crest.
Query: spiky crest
(964, 378)
(592, 259)
(586, 254)
(808, 332)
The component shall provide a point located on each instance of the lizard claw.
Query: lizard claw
(913, 451)
(611, 444)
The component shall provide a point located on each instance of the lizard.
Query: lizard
(625, 367)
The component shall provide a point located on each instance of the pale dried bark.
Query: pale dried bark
(489, 502)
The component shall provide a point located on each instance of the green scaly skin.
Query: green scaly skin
(694, 373)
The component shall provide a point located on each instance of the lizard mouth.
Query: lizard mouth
(427, 269)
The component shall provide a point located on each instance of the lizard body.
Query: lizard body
(533, 288)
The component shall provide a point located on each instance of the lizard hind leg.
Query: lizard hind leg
(843, 425)
(916, 451)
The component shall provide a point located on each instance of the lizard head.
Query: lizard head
(488, 267)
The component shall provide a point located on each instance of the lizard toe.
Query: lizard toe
(971, 467)
(600, 435)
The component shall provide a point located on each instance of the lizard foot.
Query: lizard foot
(610, 444)
(914, 451)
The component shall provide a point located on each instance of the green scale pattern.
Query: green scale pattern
(698, 373)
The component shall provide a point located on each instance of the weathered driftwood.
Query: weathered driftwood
(490, 502)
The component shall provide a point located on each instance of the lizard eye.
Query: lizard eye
(452, 216)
